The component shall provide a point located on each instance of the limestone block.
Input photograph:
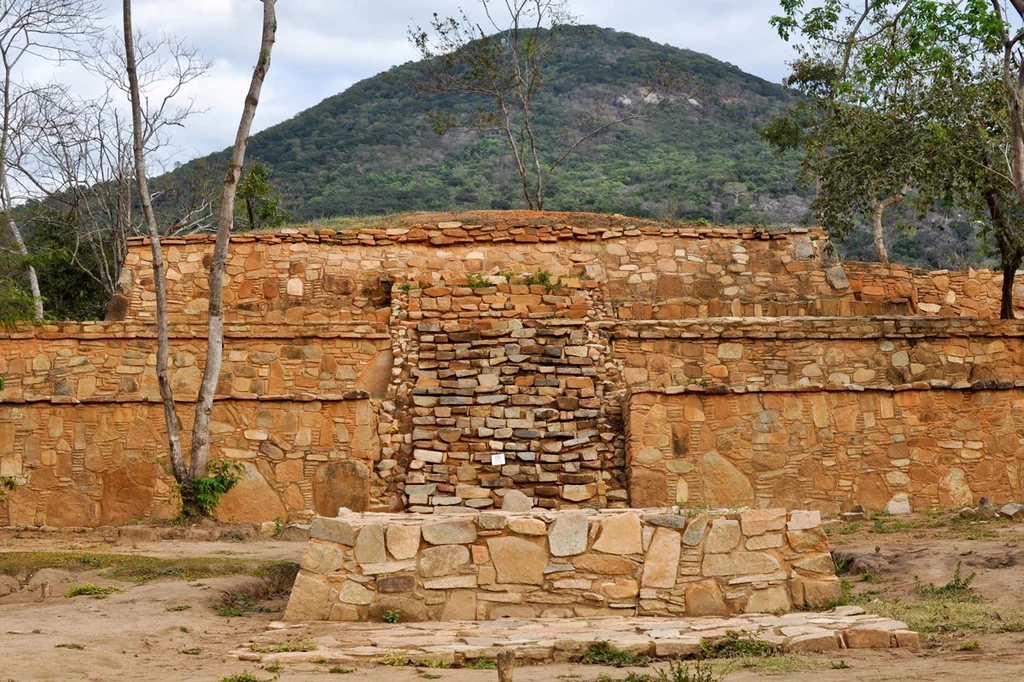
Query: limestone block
(403, 541)
(803, 520)
(724, 485)
(515, 501)
(661, 563)
(758, 521)
(867, 637)
(605, 564)
(308, 600)
(321, 557)
(461, 605)
(568, 534)
(449, 533)
(620, 534)
(739, 563)
(705, 598)
(369, 548)
(393, 584)
(807, 541)
(818, 564)
(517, 561)
(352, 592)
(528, 526)
(334, 530)
(620, 588)
(443, 560)
(769, 600)
(724, 536)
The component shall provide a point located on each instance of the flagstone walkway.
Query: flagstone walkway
(545, 640)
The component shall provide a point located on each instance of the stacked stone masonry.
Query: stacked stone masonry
(562, 564)
(395, 369)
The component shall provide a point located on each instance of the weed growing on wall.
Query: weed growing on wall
(201, 496)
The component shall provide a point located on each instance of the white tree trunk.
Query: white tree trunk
(159, 281)
(215, 345)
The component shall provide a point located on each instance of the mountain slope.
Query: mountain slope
(371, 149)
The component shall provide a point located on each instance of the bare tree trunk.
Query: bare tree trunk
(159, 283)
(878, 208)
(33, 279)
(215, 344)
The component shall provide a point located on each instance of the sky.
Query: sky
(324, 46)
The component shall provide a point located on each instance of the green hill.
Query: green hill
(371, 148)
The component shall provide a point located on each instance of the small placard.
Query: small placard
(498, 459)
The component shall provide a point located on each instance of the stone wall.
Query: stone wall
(974, 293)
(116, 362)
(562, 564)
(820, 352)
(920, 448)
(98, 464)
(326, 276)
(499, 386)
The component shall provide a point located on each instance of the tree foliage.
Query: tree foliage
(257, 205)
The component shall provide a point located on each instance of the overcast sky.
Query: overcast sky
(324, 46)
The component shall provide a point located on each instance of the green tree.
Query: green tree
(256, 205)
(501, 68)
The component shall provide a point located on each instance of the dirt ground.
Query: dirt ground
(131, 634)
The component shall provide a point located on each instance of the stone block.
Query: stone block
(309, 599)
(443, 560)
(515, 501)
(620, 534)
(369, 547)
(803, 520)
(661, 563)
(759, 521)
(528, 526)
(605, 564)
(333, 530)
(769, 600)
(739, 563)
(321, 557)
(517, 561)
(403, 541)
(568, 534)
(449, 533)
(396, 584)
(694, 533)
(705, 598)
(352, 592)
(724, 536)
(867, 637)
(823, 640)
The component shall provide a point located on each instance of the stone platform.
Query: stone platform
(560, 564)
(547, 640)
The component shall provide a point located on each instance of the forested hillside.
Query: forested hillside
(371, 149)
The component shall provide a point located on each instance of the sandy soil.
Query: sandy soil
(131, 635)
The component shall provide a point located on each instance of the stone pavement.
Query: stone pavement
(546, 640)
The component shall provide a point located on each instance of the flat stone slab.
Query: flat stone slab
(564, 639)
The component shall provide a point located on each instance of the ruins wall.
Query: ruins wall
(820, 352)
(647, 272)
(974, 293)
(503, 386)
(93, 464)
(562, 564)
(827, 449)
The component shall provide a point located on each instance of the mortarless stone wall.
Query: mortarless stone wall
(562, 564)
(384, 369)
(827, 450)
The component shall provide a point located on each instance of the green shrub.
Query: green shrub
(736, 645)
(201, 496)
(957, 589)
(392, 616)
(602, 652)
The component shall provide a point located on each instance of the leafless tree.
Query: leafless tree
(225, 220)
(200, 447)
(78, 153)
(41, 29)
(503, 61)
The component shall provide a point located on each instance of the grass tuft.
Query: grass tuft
(89, 590)
(602, 652)
(306, 644)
